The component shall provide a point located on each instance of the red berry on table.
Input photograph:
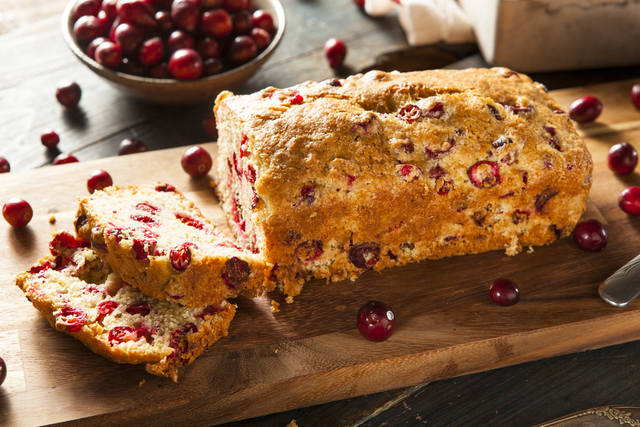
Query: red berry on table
(98, 180)
(17, 212)
(242, 49)
(261, 37)
(5, 167)
(209, 125)
(622, 158)
(216, 23)
(131, 146)
(376, 321)
(3, 370)
(151, 51)
(590, 235)
(108, 55)
(263, 19)
(68, 93)
(504, 292)
(64, 158)
(585, 109)
(335, 50)
(635, 95)
(185, 64)
(629, 200)
(49, 139)
(196, 161)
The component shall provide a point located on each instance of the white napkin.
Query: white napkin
(426, 21)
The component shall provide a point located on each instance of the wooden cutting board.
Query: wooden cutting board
(311, 352)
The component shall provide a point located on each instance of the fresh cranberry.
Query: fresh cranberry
(376, 321)
(208, 47)
(185, 15)
(131, 66)
(73, 319)
(185, 64)
(64, 158)
(210, 4)
(87, 28)
(98, 180)
(108, 55)
(629, 200)
(151, 51)
(137, 12)
(5, 167)
(365, 255)
(622, 158)
(590, 235)
(484, 174)
(504, 292)
(3, 370)
(165, 24)
(160, 71)
(242, 23)
(261, 37)
(196, 161)
(236, 5)
(635, 95)
(128, 38)
(68, 93)
(17, 212)
(180, 257)
(91, 48)
(85, 7)
(110, 8)
(209, 126)
(242, 49)
(335, 50)
(235, 273)
(263, 19)
(49, 138)
(179, 39)
(585, 109)
(216, 23)
(131, 146)
(211, 67)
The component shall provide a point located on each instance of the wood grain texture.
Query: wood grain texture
(310, 352)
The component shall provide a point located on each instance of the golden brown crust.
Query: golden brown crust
(391, 168)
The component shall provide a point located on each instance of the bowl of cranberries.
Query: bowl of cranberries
(173, 52)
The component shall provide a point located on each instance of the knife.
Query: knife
(602, 416)
(623, 286)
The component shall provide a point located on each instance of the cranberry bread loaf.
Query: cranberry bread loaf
(158, 241)
(330, 179)
(80, 295)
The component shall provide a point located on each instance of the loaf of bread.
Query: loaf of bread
(330, 179)
(80, 295)
(158, 241)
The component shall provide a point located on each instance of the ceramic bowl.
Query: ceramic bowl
(178, 92)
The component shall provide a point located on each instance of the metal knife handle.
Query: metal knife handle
(623, 286)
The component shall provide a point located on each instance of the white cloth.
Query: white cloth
(426, 21)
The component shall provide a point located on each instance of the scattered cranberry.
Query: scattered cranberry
(98, 180)
(68, 93)
(590, 235)
(622, 158)
(3, 370)
(196, 161)
(504, 292)
(17, 212)
(263, 19)
(335, 50)
(185, 64)
(209, 125)
(242, 49)
(108, 55)
(5, 167)
(635, 95)
(585, 109)
(49, 139)
(131, 146)
(376, 321)
(629, 200)
(64, 158)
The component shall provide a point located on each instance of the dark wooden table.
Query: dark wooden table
(35, 58)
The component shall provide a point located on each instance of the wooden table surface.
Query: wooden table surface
(35, 59)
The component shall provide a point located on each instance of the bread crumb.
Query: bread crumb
(275, 306)
(530, 251)
(141, 383)
(289, 299)
(292, 424)
(512, 248)
(52, 219)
